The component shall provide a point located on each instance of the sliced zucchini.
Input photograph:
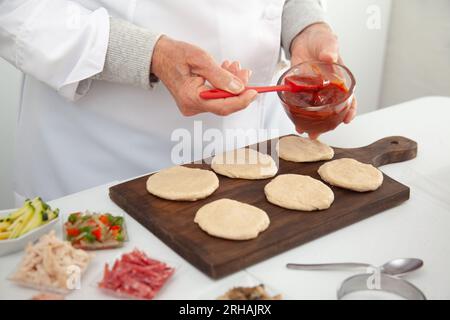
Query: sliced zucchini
(4, 225)
(22, 222)
(16, 214)
(36, 220)
(4, 235)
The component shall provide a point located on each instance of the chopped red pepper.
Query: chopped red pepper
(97, 234)
(73, 232)
(104, 219)
(115, 228)
(92, 228)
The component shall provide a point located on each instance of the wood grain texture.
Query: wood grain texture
(173, 222)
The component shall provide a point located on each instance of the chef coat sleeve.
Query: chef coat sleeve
(297, 15)
(130, 50)
(58, 42)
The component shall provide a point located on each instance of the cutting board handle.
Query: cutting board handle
(386, 151)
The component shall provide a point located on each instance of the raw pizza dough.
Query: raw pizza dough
(182, 183)
(244, 164)
(297, 192)
(351, 174)
(233, 220)
(298, 149)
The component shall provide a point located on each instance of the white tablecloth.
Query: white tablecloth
(418, 228)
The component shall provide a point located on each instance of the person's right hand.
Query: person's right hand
(184, 68)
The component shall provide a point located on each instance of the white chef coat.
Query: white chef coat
(66, 143)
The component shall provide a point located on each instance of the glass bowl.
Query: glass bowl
(327, 113)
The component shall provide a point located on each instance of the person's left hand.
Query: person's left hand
(319, 43)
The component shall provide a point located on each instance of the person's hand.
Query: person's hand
(235, 68)
(184, 69)
(319, 43)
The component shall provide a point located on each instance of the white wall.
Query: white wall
(418, 55)
(10, 82)
(363, 42)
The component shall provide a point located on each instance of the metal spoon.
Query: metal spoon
(401, 266)
(396, 267)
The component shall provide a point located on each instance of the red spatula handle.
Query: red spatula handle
(216, 94)
(221, 94)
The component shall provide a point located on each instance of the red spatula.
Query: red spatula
(292, 84)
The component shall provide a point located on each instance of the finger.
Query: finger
(351, 113)
(329, 49)
(225, 64)
(295, 61)
(217, 76)
(224, 107)
(244, 75)
(235, 67)
(350, 116)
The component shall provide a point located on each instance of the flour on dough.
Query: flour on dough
(351, 174)
(244, 164)
(297, 192)
(299, 149)
(233, 220)
(182, 183)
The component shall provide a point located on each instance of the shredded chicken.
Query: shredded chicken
(47, 263)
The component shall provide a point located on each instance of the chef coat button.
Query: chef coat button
(272, 12)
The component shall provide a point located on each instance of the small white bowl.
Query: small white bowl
(14, 245)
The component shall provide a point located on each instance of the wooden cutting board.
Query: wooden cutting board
(173, 222)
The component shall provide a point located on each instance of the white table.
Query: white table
(418, 228)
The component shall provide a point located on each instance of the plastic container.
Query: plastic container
(121, 295)
(18, 244)
(43, 288)
(112, 244)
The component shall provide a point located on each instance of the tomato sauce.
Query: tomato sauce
(316, 109)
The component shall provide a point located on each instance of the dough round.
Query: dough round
(182, 183)
(298, 149)
(245, 164)
(297, 192)
(233, 220)
(351, 174)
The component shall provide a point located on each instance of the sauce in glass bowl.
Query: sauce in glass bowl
(323, 106)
